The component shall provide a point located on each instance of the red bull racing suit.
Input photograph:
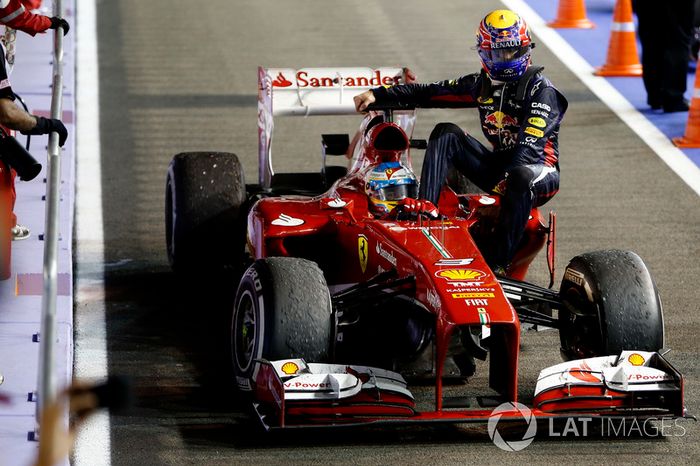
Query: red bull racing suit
(521, 121)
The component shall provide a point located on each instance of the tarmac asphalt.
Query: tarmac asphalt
(176, 77)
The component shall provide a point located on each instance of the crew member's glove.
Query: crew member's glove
(57, 22)
(48, 126)
(419, 206)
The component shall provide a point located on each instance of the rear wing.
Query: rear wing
(310, 91)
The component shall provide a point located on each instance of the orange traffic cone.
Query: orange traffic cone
(622, 51)
(691, 139)
(571, 14)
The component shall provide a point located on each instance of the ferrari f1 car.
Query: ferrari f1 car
(338, 310)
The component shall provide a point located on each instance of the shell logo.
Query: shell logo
(290, 368)
(584, 373)
(460, 275)
(636, 359)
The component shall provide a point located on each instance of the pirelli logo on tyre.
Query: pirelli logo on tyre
(573, 276)
(534, 131)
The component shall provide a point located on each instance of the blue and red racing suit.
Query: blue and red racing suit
(521, 121)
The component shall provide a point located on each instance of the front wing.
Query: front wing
(293, 393)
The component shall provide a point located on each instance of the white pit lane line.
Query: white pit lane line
(92, 446)
(650, 134)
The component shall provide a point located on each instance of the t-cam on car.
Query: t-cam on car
(338, 310)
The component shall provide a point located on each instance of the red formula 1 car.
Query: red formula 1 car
(339, 309)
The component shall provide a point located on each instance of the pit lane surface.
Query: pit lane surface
(175, 77)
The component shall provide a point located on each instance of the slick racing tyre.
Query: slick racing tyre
(205, 213)
(610, 304)
(282, 310)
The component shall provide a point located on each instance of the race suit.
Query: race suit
(521, 121)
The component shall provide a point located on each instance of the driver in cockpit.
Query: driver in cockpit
(392, 188)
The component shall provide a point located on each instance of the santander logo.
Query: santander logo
(305, 79)
(281, 81)
(583, 372)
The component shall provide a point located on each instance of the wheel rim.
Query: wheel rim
(245, 332)
(584, 332)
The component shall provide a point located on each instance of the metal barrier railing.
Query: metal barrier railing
(46, 379)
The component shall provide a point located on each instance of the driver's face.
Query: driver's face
(505, 54)
(508, 55)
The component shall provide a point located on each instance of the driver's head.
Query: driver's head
(387, 184)
(503, 42)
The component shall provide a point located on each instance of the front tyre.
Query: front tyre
(610, 304)
(282, 310)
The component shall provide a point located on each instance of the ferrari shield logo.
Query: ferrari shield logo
(362, 250)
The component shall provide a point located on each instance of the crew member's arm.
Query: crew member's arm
(13, 117)
(461, 92)
(16, 16)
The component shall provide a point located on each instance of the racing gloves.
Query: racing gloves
(48, 126)
(419, 206)
(57, 22)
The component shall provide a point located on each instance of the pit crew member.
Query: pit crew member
(15, 15)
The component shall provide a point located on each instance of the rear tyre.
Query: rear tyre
(282, 310)
(610, 304)
(205, 212)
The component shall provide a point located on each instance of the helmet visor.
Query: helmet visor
(397, 192)
(507, 54)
